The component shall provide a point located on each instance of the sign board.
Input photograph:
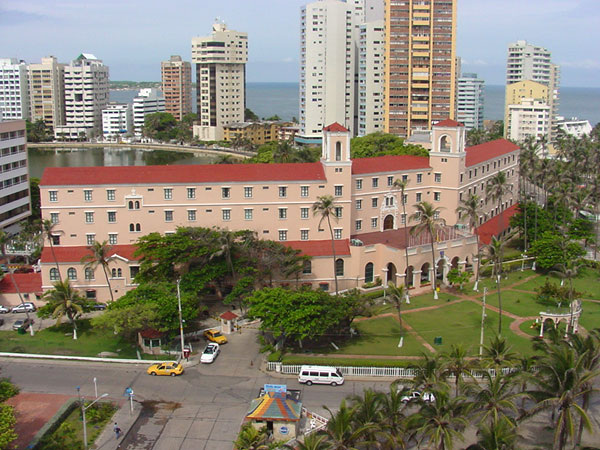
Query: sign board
(280, 388)
(284, 430)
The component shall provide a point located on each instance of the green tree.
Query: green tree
(161, 126)
(63, 300)
(7, 426)
(249, 116)
(551, 249)
(380, 144)
(498, 354)
(457, 364)
(469, 210)
(128, 321)
(342, 431)
(402, 184)
(100, 256)
(494, 398)
(496, 188)
(34, 194)
(48, 228)
(429, 221)
(36, 131)
(325, 207)
(495, 253)
(397, 295)
(501, 435)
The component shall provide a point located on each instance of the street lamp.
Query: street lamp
(83, 410)
(180, 319)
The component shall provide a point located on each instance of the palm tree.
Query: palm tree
(325, 207)
(368, 414)
(4, 240)
(393, 420)
(498, 353)
(495, 251)
(430, 373)
(342, 431)
(456, 364)
(314, 441)
(64, 300)
(250, 438)
(402, 185)
(496, 188)
(48, 229)
(500, 435)
(471, 208)
(429, 221)
(397, 294)
(99, 257)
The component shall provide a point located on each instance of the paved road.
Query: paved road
(202, 409)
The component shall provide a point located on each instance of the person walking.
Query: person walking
(117, 430)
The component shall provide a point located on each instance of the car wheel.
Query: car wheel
(153, 374)
(309, 383)
(173, 374)
(333, 383)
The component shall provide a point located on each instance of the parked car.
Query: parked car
(99, 306)
(215, 336)
(22, 323)
(171, 368)
(320, 375)
(23, 307)
(4, 268)
(3, 310)
(210, 353)
(416, 395)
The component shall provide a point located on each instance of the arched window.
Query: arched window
(339, 267)
(444, 144)
(131, 227)
(369, 273)
(72, 273)
(338, 151)
(307, 267)
(53, 274)
(137, 204)
(89, 273)
(138, 227)
(130, 204)
(113, 273)
(119, 273)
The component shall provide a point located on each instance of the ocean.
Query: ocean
(282, 99)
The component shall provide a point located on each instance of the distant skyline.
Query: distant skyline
(132, 37)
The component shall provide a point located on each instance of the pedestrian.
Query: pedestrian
(117, 430)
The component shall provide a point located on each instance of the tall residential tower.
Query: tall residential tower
(14, 90)
(47, 92)
(176, 78)
(469, 101)
(220, 80)
(420, 64)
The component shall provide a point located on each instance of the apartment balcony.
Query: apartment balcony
(419, 116)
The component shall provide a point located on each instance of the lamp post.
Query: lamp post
(482, 323)
(83, 410)
(180, 318)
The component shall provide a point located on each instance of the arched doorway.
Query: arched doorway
(425, 273)
(439, 275)
(391, 273)
(454, 264)
(388, 222)
(409, 276)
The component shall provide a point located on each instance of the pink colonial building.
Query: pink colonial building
(121, 204)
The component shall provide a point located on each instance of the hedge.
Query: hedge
(51, 426)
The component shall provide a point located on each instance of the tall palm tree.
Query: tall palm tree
(48, 228)
(393, 418)
(4, 240)
(457, 364)
(496, 188)
(342, 431)
(368, 413)
(430, 373)
(471, 208)
(250, 438)
(314, 441)
(325, 207)
(495, 251)
(402, 185)
(501, 435)
(397, 294)
(99, 256)
(429, 221)
(64, 300)
(498, 354)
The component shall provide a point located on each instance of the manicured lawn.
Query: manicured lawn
(590, 315)
(519, 303)
(420, 301)
(507, 280)
(58, 340)
(588, 282)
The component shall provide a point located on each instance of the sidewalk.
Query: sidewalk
(125, 420)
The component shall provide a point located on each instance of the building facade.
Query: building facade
(47, 92)
(528, 62)
(15, 203)
(117, 121)
(14, 89)
(370, 78)
(121, 204)
(148, 101)
(220, 80)
(420, 58)
(574, 126)
(257, 133)
(176, 76)
(529, 118)
(469, 101)
(86, 94)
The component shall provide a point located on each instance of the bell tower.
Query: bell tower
(336, 145)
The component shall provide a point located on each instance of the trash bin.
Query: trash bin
(437, 340)
(21, 330)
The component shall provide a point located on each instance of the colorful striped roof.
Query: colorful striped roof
(274, 406)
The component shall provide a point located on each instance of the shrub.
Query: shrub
(7, 389)
(274, 356)
(100, 412)
(372, 284)
(7, 426)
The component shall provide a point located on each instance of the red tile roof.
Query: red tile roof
(321, 248)
(27, 282)
(336, 127)
(490, 228)
(74, 254)
(488, 150)
(448, 123)
(228, 315)
(151, 333)
(200, 173)
(389, 163)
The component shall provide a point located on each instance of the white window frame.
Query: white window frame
(304, 191)
(338, 233)
(248, 214)
(113, 238)
(110, 195)
(108, 213)
(190, 213)
(248, 191)
(88, 195)
(282, 234)
(90, 238)
(304, 234)
(226, 215)
(304, 216)
(87, 215)
(168, 193)
(191, 193)
(53, 196)
(166, 211)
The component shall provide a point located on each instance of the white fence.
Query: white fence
(396, 372)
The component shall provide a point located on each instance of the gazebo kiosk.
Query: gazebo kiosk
(228, 322)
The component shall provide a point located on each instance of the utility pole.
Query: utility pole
(482, 323)
(180, 318)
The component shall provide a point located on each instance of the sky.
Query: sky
(133, 36)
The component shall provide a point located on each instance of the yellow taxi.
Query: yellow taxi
(167, 368)
(215, 336)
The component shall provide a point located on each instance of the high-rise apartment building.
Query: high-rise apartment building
(14, 90)
(420, 64)
(469, 101)
(117, 120)
(148, 101)
(176, 78)
(530, 62)
(47, 92)
(86, 94)
(14, 178)
(370, 78)
(528, 118)
(220, 80)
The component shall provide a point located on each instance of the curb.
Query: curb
(81, 358)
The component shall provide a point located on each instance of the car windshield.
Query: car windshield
(216, 334)
(209, 350)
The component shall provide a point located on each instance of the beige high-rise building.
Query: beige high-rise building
(176, 78)
(220, 80)
(420, 54)
(47, 92)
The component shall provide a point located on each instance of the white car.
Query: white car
(3, 310)
(416, 395)
(210, 353)
(23, 307)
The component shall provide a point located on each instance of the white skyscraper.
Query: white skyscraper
(86, 94)
(47, 92)
(220, 80)
(117, 120)
(469, 101)
(14, 90)
(147, 101)
(371, 69)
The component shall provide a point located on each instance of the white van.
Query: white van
(320, 375)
